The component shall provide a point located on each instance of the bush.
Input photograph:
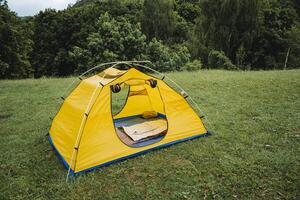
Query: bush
(114, 39)
(217, 59)
(180, 57)
(158, 54)
(193, 66)
(165, 58)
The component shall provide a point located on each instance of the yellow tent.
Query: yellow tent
(86, 135)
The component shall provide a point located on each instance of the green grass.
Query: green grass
(254, 152)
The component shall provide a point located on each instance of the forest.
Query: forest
(175, 35)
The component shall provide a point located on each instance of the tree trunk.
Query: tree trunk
(286, 58)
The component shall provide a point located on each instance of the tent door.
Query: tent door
(142, 120)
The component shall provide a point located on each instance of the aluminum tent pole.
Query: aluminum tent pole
(83, 121)
(80, 130)
(178, 86)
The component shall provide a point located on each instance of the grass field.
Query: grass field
(254, 152)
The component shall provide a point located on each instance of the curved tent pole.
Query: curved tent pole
(178, 86)
(83, 121)
(113, 66)
(80, 130)
(115, 63)
(101, 65)
(136, 63)
(89, 70)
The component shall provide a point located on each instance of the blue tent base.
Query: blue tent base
(72, 173)
(60, 156)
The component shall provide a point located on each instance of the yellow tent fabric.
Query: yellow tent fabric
(83, 131)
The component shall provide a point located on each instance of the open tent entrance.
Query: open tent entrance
(141, 118)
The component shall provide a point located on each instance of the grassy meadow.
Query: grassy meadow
(254, 152)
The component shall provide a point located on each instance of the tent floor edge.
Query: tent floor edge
(61, 158)
(72, 173)
(208, 133)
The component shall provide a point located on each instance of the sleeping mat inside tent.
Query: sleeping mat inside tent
(136, 131)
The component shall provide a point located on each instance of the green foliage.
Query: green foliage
(165, 58)
(159, 54)
(225, 25)
(180, 56)
(188, 9)
(15, 45)
(293, 41)
(270, 47)
(161, 21)
(58, 34)
(193, 66)
(217, 59)
(253, 34)
(157, 18)
(240, 56)
(119, 39)
(114, 39)
(50, 44)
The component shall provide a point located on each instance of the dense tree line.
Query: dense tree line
(174, 34)
(15, 44)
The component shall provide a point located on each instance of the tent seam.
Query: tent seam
(84, 127)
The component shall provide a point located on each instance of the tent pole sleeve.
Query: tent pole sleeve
(111, 63)
(88, 108)
(80, 131)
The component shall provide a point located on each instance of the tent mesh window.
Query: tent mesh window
(119, 100)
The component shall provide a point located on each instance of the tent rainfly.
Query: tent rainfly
(86, 135)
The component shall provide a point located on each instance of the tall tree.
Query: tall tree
(46, 45)
(15, 44)
(271, 44)
(226, 25)
(113, 39)
(158, 19)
